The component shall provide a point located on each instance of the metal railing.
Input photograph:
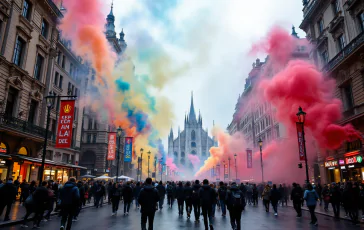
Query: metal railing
(23, 126)
(349, 49)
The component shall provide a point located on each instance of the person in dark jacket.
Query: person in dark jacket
(275, 197)
(222, 195)
(188, 198)
(171, 191)
(255, 195)
(207, 197)
(234, 205)
(345, 198)
(99, 194)
(8, 194)
(196, 200)
(136, 192)
(70, 200)
(162, 193)
(81, 190)
(335, 199)
(148, 199)
(127, 194)
(24, 191)
(296, 197)
(353, 202)
(109, 188)
(326, 197)
(41, 202)
(180, 196)
(115, 193)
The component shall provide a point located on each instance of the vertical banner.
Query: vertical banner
(226, 171)
(128, 149)
(111, 146)
(249, 158)
(301, 144)
(65, 124)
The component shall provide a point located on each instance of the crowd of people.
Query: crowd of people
(193, 198)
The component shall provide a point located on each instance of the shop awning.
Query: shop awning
(4, 156)
(47, 162)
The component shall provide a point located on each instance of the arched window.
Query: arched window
(23, 151)
(175, 154)
(193, 152)
(193, 144)
(183, 161)
(3, 148)
(182, 154)
(193, 135)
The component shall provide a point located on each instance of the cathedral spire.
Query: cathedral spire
(192, 116)
(110, 23)
(294, 33)
(171, 134)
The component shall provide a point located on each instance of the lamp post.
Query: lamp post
(155, 167)
(261, 157)
(118, 133)
(161, 166)
(50, 104)
(141, 163)
(218, 170)
(236, 168)
(148, 161)
(229, 167)
(301, 115)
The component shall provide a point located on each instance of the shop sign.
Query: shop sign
(111, 147)
(333, 163)
(353, 145)
(341, 162)
(351, 166)
(343, 167)
(354, 160)
(65, 124)
(301, 144)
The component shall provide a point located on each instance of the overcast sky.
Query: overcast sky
(210, 39)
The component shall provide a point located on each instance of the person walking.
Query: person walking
(81, 190)
(196, 200)
(215, 200)
(318, 189)
(41, 202)
(249, 193)
(127, 194)
(116, 193)
(162, 194)
(235, 201)
(180, 195)
(361, 200)
(99, 194)
(296, 197)
(353, 202)
(148, 199)
(275, 197)
(188, 198)
(255, 195)
(222, 197)
(207, 197)
(24, 192)
(311, 198)
(265, 196)
(108, 189)
(70, 200)
(335, 199)
(326, 197)
(8, 194)
(136, 192)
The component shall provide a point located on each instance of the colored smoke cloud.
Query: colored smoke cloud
(195, 160)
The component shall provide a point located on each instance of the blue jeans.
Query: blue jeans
(223, 207)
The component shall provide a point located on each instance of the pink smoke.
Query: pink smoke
(195, 160)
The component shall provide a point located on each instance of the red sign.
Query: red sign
(249, 161)
(65, 124)
(301, 144)
(329, 164)
(111, 149)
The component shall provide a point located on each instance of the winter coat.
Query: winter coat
(161, 190)
(188, 193)
(127, 193)
(311, 197)
(207, 196)
(266, 193)
(136, 190)
(180, 193)
(354, 198)
(41, 197)
(297, 194)
(7, 193)
(148, 199)
(69, 195)
(195, 191)
(274, 195)
(81, 191)
(116, 192)
(230, 201)
(335, 195)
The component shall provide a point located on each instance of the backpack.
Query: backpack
(169, 189)
(237, 200)
(222, 193)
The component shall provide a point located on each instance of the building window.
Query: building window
(59, 58)
(32, 110)
(277, 131)
(175, 154)
(336, 6)
(45, 27)
(193, 135)
(193, 144)
(19, 51)
(182, 161)
(90, 124)
(88, 138)
(76, 92)
(320, 25)
(60, 82)
(38, 67)
(26, 9)
(347, 95)
(11, 102)
(325, 57)
(193, 152)
(55, 82)
(361, 21)
(341, 42)
(63, 61)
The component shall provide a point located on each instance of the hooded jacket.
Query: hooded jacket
(148, 199)
(127, 193)
(69, 194)
(161, 190)
(188, 192)
(207, 196)
(195, 193)
(229, 198)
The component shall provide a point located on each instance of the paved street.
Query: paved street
(253, 218)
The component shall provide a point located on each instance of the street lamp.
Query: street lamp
(148, 161)
(50, 104)
(229, 168)
(161, 166)
(141, 163)
(301, 116)
(118, 132)
(236, 169)
(155, 167)
(218, 169)
(261, 157)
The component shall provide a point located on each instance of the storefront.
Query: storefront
(333, 171)
(349, 168)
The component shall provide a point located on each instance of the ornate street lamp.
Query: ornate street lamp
(119, 131)
(148, 161)
(141, 163)
(261, 157)
(301, 116)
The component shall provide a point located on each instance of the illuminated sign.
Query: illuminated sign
(351, 166)
(354, 160)
(333, 163)
(343, 167)
(331, 168)
(341, 162)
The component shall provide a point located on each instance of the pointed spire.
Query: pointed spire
(122, 34)
(110, 26)
(294, 33)
(171, 133)
(192, 116)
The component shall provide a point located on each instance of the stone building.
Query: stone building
(335, 28)
(192, 140)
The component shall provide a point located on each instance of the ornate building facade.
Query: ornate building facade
(192, 140)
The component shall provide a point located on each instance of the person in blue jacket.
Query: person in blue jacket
(70, 199)
(311, 197)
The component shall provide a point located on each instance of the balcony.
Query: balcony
(308, 11)
(28, 129)
(347, 51)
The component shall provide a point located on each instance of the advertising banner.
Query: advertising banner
(111, 148)
(301, 144)
(128, 149)
(249, 158)
(65, 124)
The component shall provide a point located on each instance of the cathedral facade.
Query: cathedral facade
(192, 140)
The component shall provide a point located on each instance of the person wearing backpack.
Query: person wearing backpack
(222, 195)
(296, 197)
(207, 197)
(235, 201)
(311, 198)
(188, 198)
(148, 199)
(196, 200)
(170, 192)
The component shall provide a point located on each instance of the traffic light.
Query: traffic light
(300, 165)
